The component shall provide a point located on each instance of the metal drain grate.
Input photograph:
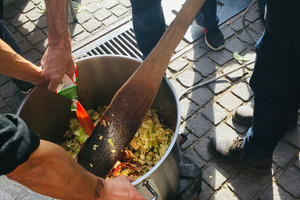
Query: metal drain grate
(118, 42)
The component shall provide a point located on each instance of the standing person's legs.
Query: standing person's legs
(148, 23)
(275, 82)
(207, 17)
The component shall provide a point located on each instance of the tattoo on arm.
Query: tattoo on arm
(98, 188)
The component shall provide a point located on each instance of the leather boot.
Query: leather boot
(232, 152)
(244, 115)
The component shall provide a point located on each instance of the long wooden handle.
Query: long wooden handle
(130, 104)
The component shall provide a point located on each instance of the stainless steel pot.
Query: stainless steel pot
(99, 78)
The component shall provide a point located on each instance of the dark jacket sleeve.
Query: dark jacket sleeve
(17, 142)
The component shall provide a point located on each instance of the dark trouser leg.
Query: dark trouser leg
(148, 23)
(275, 82)
(7, 37)
(207, 16)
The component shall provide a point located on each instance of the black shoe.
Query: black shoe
(232, 152)
(22, 85)
(214, 39)
(244, 115)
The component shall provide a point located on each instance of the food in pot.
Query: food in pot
(147, 147)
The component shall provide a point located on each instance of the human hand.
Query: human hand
(56, 62)
(120, 188)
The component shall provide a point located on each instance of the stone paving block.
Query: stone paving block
(198, 125)
(229, 101)
(42, 46)
(283, 153)
(225, 194)
(19, 20)
(34, 14)
(182, 44)
(237, 25)
(5, 110)
(83, 17)
(200, 96)
(234, 76)
(36, 37)
(14, 103)
(10, 11)
(41, 23)
(81, 36)
(187, 108)
(235, 45)
(119, 10)
(220, 57)
(214, 113)
(293, 137)
(245, 37)
(93, 6)
(4, 79)
(275, 192)
(112, 19)
(75, 29)
(223, 130)
(11, 28)
(201, 147)
(241, 129)
(102, 14)
(215, 176)
(33, 55)
(108, 4)
(8, 90)
(289, 176)
(258, 27)
(126, 3)
(191, 138)
(245, 186)
(252, 15)
(192, 155)
(219, 86)
(206, 192)
(195, 53)
(205, 67)
(27, 28)
(26, 7)
(178, 64)
(91, 25)
(243, 91)
(36, 2)
(227, 32)
(189, 78)
(178, 88)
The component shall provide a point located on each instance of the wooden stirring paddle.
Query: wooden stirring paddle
(130, 104)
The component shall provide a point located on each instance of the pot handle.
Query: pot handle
(146, 183)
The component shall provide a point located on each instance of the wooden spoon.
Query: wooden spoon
(131, 103)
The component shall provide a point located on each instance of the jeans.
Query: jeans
(149, 22)
(8, 38)
(276, 85)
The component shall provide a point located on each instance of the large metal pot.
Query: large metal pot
(99, 78)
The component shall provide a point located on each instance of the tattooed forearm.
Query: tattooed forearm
(98, 188)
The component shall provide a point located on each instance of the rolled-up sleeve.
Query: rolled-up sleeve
(17, 142)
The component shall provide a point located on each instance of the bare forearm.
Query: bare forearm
(57, 19)
(14, 65)
(51, 171)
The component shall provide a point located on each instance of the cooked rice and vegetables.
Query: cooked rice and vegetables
(147, 147)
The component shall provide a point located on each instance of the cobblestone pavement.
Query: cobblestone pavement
(205, 112)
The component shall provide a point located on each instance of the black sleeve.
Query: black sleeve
(17, 142)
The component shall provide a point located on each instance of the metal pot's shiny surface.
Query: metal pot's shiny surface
(99, 78)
